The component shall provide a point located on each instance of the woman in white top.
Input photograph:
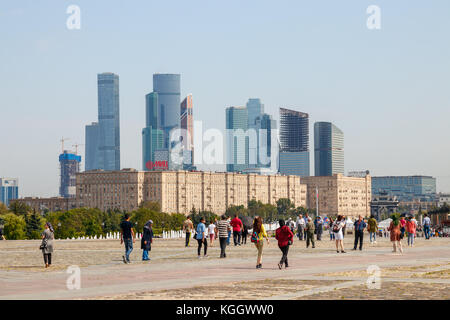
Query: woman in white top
(338, 235)
(211, 232)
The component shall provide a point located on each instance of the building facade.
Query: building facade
(294, 143)
(54, 204)
(103, 138)
(69, 166)
(443, 199)
(187, 125)
(237, 139)
(339, 195)
(328, 149)
(407, 189)
(180, 191)
(9, 190)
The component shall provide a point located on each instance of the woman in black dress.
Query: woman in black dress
(147, 240)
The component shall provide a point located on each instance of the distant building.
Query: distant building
(407, 189)
(180, 191)
(383, 205)
(53, 204)
(103, 138)
(187, 124)
(237, 139)
(153, 137)
(339, 195)
(9, 190)
(443, 199)
(328, 149)
(69, 167)
(294, 143)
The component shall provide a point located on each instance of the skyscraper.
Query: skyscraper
(9, 190)
(328, 149)
(294, 143)
(152, 136)
(237, 139)
(103, 139)
(255, 110)
(267, 146)
(187, 124)
(69, 166)
(162, 116)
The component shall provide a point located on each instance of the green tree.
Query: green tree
(3, 208)
(151, 205)
(19, 208)
(284, 206)
(14, 226)
(34, 225)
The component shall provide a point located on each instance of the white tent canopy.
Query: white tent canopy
(349, 223)
(384, 224)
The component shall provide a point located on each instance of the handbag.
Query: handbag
(43, 244)
(290, 242)
(254, 238)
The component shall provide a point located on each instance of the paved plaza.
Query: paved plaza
(421, 272)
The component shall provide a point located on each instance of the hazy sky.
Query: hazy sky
(387, 89)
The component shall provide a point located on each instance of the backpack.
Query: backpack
(254, 238)
(336, 228)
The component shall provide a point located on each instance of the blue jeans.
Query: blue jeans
(128, 248)
(145, 255)
(426, 230)
(331, 235)
(410, 239)
(228, 239)
(373, 236)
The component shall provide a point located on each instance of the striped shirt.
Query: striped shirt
(222, 227)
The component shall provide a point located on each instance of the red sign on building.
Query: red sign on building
(157, 165)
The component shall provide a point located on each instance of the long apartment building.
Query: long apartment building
(339, 195)
(180, 191)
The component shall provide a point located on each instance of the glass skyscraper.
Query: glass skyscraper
(162, 116)
(328, 149)
(237, 140)
(103, 138)
(69, 166)
(187, 124)
(9, 190)
(294, 143)
(255, 110)
(406, 188)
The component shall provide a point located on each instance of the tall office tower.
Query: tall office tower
(266, 145)
(9, 190)
(294, 143)
(255, 109)
(103, 139)
(328, 149)
(152, 136)
(187, 124)
(237, 139)
(167, 86)
(91, 147)
(69, 166)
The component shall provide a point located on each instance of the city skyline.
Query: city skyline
(374, 85)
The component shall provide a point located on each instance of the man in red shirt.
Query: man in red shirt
(237, 225)
(285, 238)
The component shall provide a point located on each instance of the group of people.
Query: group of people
(223, 228)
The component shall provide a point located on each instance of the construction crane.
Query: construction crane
(62, 143)
(76, 145)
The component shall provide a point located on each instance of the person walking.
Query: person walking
(337, 227)
(330, 229)
(259, 233)
(202, 238)
(229, 232)
(244, 234)
(223, 226)
(290, 224)
(344, 221)
(127, 237)
(305, 219)
(212, 233)
(237, 225)
(285, 238)
(188, 228)
(372, 228)
(310, 233)
(318, 224)
(147, 240)
(359, 227)
(47, 244)
(411, 227)
(300, 226)
(394, 229)
(426, 226)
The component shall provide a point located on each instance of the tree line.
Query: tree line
(20, 222)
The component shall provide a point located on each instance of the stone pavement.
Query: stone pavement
(318, 273)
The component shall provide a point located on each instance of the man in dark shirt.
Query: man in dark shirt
(360, 225)
(127, 237)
